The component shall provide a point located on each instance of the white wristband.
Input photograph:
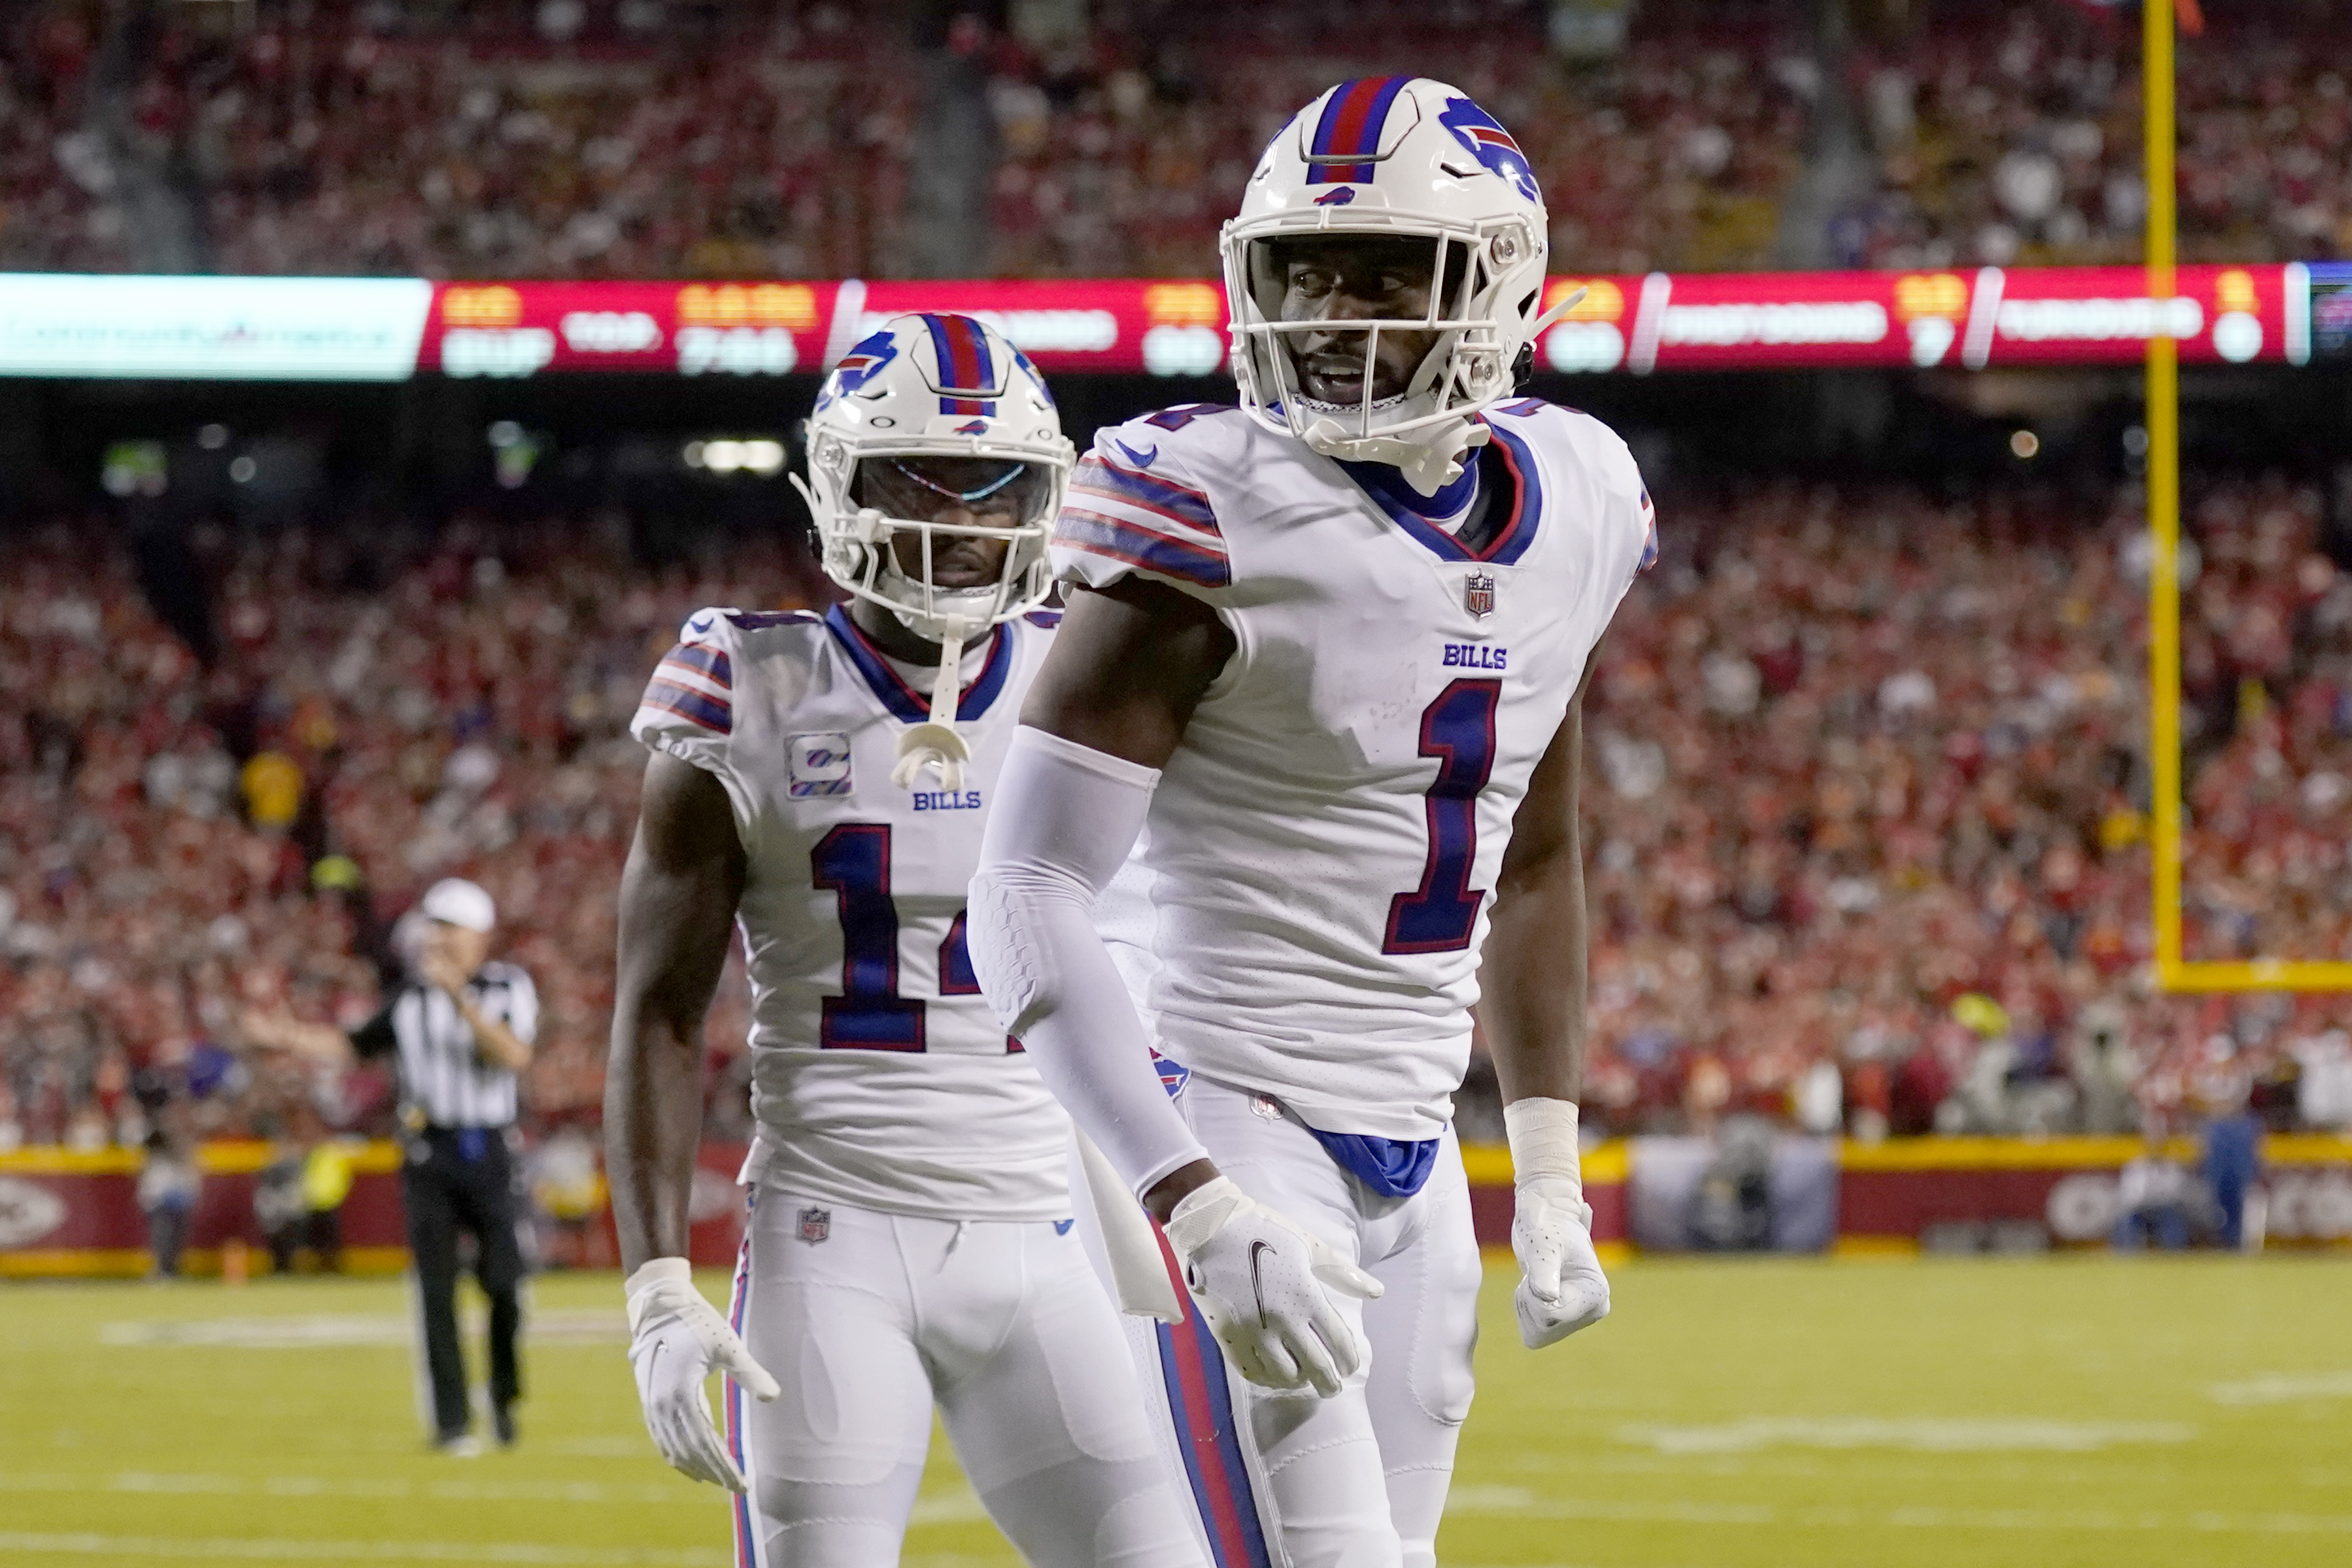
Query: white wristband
(1542, 1134)
(652, 1272)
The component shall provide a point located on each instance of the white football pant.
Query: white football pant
(868, 1319)
(1357, 1481)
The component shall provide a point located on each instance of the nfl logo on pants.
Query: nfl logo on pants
(815, 1224)
(1478, 595)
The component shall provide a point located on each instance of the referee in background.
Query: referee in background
(461, 1031)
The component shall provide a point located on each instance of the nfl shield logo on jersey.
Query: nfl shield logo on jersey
(815, 1224)
(1478, 595)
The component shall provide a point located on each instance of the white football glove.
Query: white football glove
(1562, 1287)
(675, 1341)
(1260, 1281)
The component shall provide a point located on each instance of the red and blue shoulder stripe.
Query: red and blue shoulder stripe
(1129, 514)
(696, 682)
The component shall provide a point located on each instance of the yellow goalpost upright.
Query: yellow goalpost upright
(2175, 972)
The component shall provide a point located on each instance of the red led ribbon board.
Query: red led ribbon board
(1963, 318)
(329, 329)
(1960, 319)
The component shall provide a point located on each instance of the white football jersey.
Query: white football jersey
(1315, 873)
(881, 1077)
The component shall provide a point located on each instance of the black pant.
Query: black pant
(462, 1179)
(321, 1230)
(167, 1232)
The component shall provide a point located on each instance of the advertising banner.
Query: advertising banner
(211, 329)
(65, 1212)
(2065, 1191)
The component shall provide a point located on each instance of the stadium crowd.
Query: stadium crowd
(595, 138)
(181, 845)
(1870, 823)
(1917, 902)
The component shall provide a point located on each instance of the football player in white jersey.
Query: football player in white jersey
(1323, 657)
(909, 1239)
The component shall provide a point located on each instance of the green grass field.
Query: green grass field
(1792, 1414)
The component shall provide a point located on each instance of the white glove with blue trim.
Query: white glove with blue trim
(675, 1341)
(1562, 1287)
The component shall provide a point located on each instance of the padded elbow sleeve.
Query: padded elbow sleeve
(1063, 823)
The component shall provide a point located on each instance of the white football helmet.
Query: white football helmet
(934, 385)
(1387, 157)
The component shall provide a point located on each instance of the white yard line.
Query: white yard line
(1523, 1503)
(2282, 1388)
(89, 1544)
(952, 1506)
(1924, 1435)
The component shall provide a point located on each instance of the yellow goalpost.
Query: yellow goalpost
(2173, 971)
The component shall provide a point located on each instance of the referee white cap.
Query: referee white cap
(458, 903)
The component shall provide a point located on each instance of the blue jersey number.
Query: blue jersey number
(853, 862)
(1458, 729)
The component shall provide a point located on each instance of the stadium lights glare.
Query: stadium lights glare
(757, 454)
(2024, 443)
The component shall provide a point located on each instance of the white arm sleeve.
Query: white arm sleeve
(1064, 818)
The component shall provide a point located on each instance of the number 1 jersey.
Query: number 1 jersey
(881, 1077)
(1313, 884)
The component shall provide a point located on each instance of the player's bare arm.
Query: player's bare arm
(1531, 977)
(1131, 663)
(679, 892)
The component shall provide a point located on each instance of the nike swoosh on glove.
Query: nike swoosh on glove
(1561, 1288)
(1261, 1283)
(675, 1341)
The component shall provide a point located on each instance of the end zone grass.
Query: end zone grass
(2059, 1412)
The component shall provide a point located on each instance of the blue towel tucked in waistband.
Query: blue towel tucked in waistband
(1390, 1166)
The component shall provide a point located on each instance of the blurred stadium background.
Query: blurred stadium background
(382, 382)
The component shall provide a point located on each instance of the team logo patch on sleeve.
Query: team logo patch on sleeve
(817, 764)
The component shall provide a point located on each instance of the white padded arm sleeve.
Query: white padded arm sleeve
(1064, 818)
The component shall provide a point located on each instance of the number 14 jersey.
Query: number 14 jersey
(881, 1077)
(1322, 848)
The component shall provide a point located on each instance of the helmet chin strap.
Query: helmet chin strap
(935, 743)
(1430, 458)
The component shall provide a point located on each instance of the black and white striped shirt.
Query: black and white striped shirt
(444, 1076)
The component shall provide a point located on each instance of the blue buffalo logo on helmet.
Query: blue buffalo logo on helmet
(1490, 144)
(859, 365)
